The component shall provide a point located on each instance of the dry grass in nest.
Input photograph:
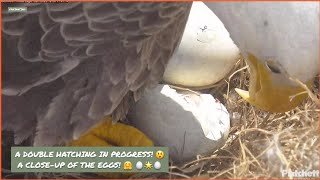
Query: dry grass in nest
(259, 145)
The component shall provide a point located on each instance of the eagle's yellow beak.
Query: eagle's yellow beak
(267, 95)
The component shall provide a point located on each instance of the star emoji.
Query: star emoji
(148, 165)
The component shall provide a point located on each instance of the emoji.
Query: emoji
(127, 165)
(157, 165)
(139, 165)
(159, 154)
(148, 165)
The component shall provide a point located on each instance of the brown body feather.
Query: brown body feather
(66, 65)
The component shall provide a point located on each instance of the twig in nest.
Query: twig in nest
(179, 174)
(241, 69)
(301, 84)
(298, 94)
(305, 87)
(185, 89)
(230, 77)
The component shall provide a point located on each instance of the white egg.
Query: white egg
(139, 165)
(187, 123)
(206, 53)
(157, 165)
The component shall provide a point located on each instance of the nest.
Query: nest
(259, 145)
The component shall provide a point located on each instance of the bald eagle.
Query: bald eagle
(279, 40)
(67, 65)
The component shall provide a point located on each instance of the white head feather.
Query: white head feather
(286, 32)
